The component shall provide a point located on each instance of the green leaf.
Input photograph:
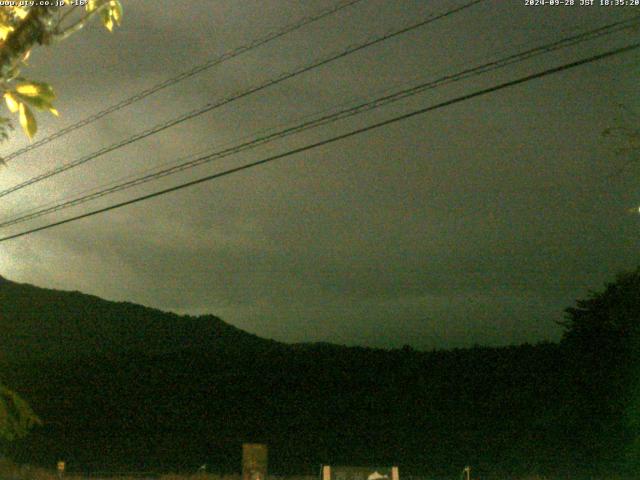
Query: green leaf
(5, 30)
(28, 121)
(36, 102)
(12, 102)
(28, 89)
(106, 19)
(16, 417)
(36, 89)
(115, 9)
(5, 127)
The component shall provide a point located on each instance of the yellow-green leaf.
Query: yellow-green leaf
(36, 89)
(46, 91)
(28, 89)
(107, 20)
(54, 111)
(12, 103)
(28, 121)
(5, 30)
(38, 102)
(92, 5)
(115, 9)
(21, 12)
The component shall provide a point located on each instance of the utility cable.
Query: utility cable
(337, 138)
(184, 75)
(323, 120)
(565, 42)
(211, 106)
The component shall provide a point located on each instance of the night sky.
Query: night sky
(476, 223)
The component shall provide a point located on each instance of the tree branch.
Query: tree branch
(71, 29)
(34, 29)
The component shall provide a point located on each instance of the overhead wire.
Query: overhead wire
(575, 36)
(343, 136)
(185, 75)
(211, 106)
(330, 118)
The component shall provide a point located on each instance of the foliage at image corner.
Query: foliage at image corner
(21, 29)
(16, 416)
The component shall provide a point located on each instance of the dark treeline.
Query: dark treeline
(567, 409)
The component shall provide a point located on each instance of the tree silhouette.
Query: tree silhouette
(602, 341)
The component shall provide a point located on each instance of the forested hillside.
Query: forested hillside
(173, 404)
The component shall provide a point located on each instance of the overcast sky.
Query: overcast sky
(477, 223)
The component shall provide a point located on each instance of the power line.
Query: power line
(185, 75)
(211, 106)
(342, 114)
(575, 38)
(334, 139)
(174, 162)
